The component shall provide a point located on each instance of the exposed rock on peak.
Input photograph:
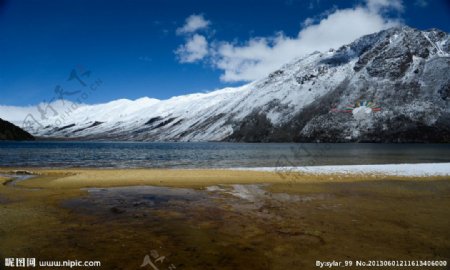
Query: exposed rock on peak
(397, 80)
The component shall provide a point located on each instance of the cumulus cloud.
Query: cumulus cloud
(193, 23)
(195, 49)
(259, 56)
(307, 22)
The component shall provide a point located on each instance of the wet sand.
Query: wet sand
(217, 219)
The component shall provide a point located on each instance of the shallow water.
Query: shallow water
(281, 226)
(15, 179)
(136, 200)
(212, 155)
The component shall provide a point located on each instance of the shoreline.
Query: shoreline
(109, 177)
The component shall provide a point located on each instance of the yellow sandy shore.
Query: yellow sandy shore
(2, 180)
(81, 178)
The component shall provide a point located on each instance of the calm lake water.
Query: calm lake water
(212, 155)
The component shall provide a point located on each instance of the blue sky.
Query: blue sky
(164, 48)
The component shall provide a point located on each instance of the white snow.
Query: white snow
(213, 115)
(440, 52)
(418, 169)
(214, 108)
(17, 115)
(361, 112)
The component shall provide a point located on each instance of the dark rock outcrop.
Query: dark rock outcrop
(11, 132)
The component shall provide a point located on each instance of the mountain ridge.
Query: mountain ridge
(401, 72)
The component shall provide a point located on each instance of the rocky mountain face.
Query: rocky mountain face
(391, 86)
(404, 73)
(9, 131)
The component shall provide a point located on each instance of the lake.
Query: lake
(211, 155)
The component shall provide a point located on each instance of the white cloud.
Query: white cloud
(193, 23)
(307, 22)
(195, 49)
(380, 5)
(421, 3)
(258, 57)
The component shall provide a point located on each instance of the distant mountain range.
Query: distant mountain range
(9, 131)
(391, 86)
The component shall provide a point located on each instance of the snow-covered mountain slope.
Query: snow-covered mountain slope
(16, 115)
(396, 82)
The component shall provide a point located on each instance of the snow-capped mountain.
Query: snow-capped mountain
(393, 85)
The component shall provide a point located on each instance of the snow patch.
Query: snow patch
(419, 169)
